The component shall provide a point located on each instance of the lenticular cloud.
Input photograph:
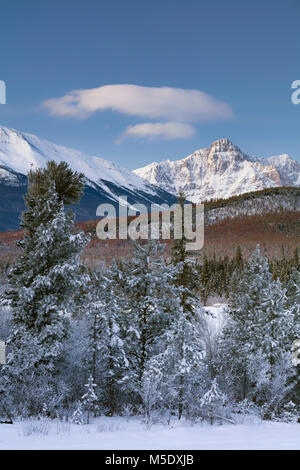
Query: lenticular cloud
(174, 104)
(159, 130)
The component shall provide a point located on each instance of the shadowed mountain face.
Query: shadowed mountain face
(221, 171)
(105, 182)
(11, 203)
(12, 200)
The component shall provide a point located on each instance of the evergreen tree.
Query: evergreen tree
(185, 336)
(42, 285)
(257, 336)
(182, 360)
(77, 417)
(89, 399)
(107, 362)
(295, 378)
(293, 296)
(68, 184)
(238, 259)
(295, 259)
(146, 287)
(212, 402)
(205, 278)
(293, 292)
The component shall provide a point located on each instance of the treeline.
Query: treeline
(282, 191)
(216, 274)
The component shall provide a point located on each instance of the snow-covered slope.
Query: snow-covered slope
(288, 169)
(220, 171)
(105, 181)
(21, 152)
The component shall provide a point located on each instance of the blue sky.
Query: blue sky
(242, 56)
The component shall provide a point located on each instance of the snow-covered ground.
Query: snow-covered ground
(216, 316)
(122, 433)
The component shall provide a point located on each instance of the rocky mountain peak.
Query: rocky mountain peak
(220, 171)
(224, 145)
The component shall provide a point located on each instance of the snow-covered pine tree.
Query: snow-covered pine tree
(115, 346)
(293, 299)
(42, 285)
(293, 302)
(239, 340)
(276, 327)
(275, 324)
(89, 399)
(212, 403)
(159, 388)
(78, 417)
(206, 275)
(107, 359)
(186, 330)
(153, 388)
(177, 373)
(93, 314)
(257, 336)
(145, 317)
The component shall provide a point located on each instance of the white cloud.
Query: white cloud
(164, 130)
(173, 104)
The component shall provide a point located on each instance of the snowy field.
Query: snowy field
(123, 433)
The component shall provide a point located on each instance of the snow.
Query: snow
(221, 171)
(22, 152)
(6, 175)
(216, 317)
(130, 433)
(286, 167)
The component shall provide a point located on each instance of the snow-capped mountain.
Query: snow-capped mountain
(105, 181)
(22, 152)
(220, 171)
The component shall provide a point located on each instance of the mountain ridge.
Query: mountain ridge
(216, 172)
(221, 170)
(105, 181)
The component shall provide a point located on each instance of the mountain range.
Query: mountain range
(221, 171)
(104, 182)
